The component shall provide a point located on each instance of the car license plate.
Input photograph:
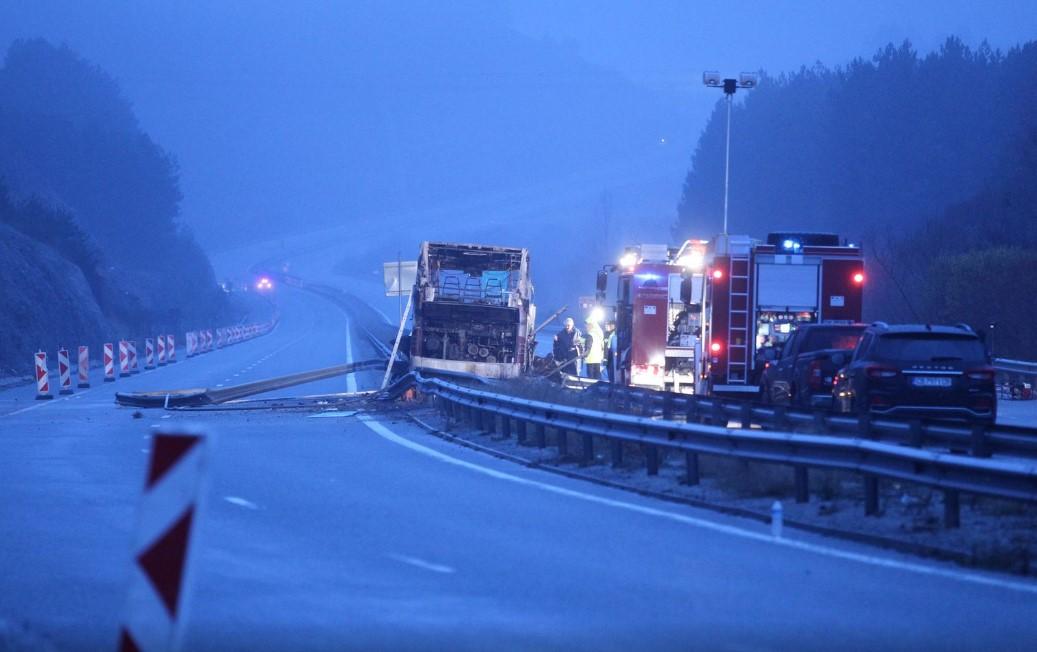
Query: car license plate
(931, 381)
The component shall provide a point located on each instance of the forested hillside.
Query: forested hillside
(929, 161)
(83, 188)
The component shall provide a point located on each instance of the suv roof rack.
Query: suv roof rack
(880, 324)
(963, 326)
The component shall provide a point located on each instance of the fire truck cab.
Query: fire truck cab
(756, 293)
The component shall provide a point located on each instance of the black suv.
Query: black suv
(918, 371)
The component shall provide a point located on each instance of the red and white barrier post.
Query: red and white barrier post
(169, 507)
(109, 363)
(124, 358)
(133, 357)
(149, 353)
(161, 350)
(83, 367)
(219, 338)
(64, 371)
(170, 349)
(208, 339)
(42, 377)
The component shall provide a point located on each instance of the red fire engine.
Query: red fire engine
(692, 319)
(756, 293)
(658, 311)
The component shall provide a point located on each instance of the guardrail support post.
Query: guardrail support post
(820, 426)
(951, 509)
(915, 437)
(646, 404)
(520, 431)
(541, 435)
(719, 417)
(746, 414)
(864, 426)
(781, 419)
(617, 453)
(691, 463)
(668, 406)
(692, 415)
(652, 460)
(505, 422)
(871, 495)
(980, 445)
(588, 448)
(563, 442)
(802, 481)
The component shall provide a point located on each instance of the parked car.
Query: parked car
(919, 371)
(801, 373)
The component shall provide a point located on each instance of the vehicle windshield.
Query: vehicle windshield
(819, 339)
(929, 347)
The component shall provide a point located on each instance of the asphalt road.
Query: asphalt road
(366, 533)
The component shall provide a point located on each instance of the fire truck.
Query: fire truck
(658, 314)
(758, 292)
(696, 318)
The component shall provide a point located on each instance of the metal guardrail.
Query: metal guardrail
(1014, 479)
(1015, 366)
(980, 440)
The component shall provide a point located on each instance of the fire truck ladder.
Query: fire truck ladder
(738, 321)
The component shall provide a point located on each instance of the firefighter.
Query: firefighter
(568, 347)
(610, 350)
(595, 349)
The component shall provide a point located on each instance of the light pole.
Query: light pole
(714, 80)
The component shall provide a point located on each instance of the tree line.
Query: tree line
(928, 161)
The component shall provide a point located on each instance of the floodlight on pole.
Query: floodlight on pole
(745, 80)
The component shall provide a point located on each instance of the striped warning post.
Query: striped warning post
(83, 366)
(149, 353)
(64, 371)
(220, 339)
(109, 362)
(208, 339)
(124, 358)
(42, 377)
(170, 349)
(133, 356)
(161, 350)
(169, 506)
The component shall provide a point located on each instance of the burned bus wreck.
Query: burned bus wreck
(473, 310)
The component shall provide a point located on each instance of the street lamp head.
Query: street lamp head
(712, 78)
(748, 80)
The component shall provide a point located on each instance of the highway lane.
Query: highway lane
(336, 533)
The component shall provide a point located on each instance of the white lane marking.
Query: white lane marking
(219, 384)
(241, 502)
(46, 402)
(422, 564)
(350, 378)
(330, 414)
(732, 530)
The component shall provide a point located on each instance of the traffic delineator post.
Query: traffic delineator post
(42, 377)
(133, 356)
(169, 506)
(83, 367)
(109, 362)
(170, 349)
(149, 353)
(64, 371)
(161, 350)
(124, 358)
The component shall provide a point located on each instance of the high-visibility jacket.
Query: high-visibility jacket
(595, 345)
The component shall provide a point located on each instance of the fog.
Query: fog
(564, 127)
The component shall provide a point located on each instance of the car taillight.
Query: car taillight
(881, 372)
(980, 374)
(814, 376)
